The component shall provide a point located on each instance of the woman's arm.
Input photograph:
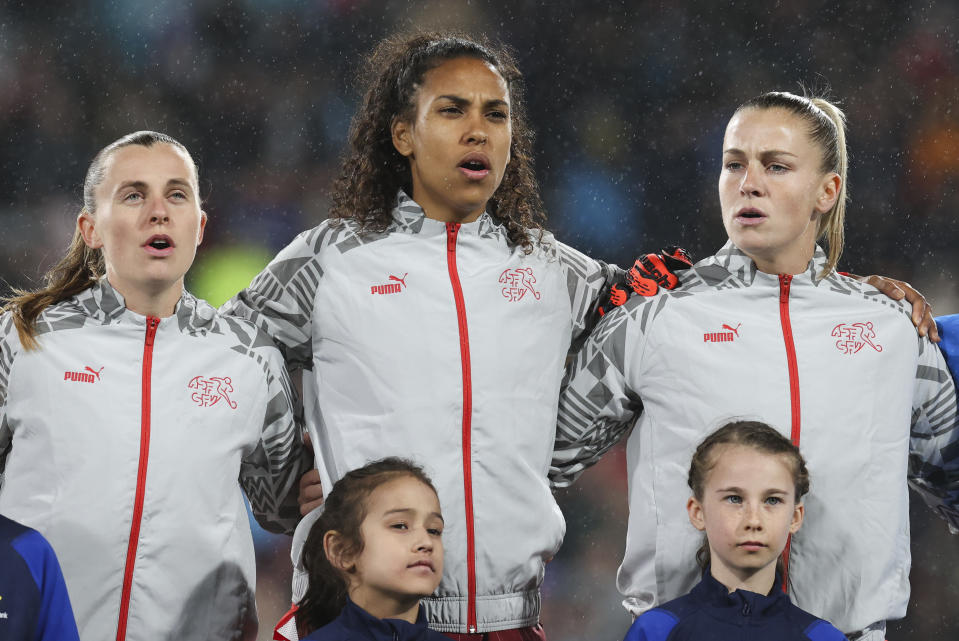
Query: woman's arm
(588, 282)
(270, 474)
(596, 288)
(597, 406)
(899, 290)
(280, 299)
(9, 346)
(934, 442)
(948, 329)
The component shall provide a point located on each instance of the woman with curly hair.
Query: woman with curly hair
(432, 315)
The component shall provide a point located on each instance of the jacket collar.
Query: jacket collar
(104, 303)
(742, 602)
(356, 619)
(409, 217)
(742, 267)
(101, 301)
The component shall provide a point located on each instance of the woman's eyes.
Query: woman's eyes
(403, 527)
(775, 168)
(135, 196)
(453, 110)
(737, 499)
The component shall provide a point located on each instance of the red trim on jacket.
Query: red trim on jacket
(152, 324)
(287, 629)
(796, 415)
(452, 229)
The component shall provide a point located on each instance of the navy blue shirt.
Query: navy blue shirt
(34, 605)
(356, 624)
(949, 333)
(711, 611)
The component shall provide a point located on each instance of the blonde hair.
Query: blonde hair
(81, 266)
(827, 128)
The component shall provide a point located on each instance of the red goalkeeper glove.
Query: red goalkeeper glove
(648, 273)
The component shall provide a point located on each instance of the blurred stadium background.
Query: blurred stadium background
(629, 100)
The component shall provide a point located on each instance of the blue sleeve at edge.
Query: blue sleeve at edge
(654, 625)
(55, 621)
(824, 631)
(949, 333)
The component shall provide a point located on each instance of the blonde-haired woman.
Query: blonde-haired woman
(766, 328)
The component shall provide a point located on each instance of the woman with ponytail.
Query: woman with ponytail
(132, 413)
(767, 328)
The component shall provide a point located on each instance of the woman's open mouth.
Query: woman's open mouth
(159, 245)
(475, 166)
(749, 216)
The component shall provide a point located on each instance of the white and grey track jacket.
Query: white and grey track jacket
(832, 362)
(122, 439)
(444, 344)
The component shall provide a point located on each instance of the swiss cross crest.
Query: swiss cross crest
(212, 390)
(517, 283)
(852, 337)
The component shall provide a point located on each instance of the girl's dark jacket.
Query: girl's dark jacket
(356, 624)
(711, 611)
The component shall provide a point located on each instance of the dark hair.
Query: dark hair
(373, 171)
(754, 434)
(80, 268)
(827, 128)
(344, 509)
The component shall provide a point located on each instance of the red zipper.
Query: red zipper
(152, 324)
(451, 231)
(784, 283)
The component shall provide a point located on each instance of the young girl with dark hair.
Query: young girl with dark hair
(768, 328)
(748, 483)
(376, 550)
(131, 414)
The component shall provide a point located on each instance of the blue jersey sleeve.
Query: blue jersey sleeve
(824, 631)
(654, 625)
(949, 333)
(55, 620)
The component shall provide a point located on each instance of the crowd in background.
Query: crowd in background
(629, 100)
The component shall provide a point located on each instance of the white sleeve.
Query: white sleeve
(280, 299)
(934, 439)
(588, 282)
(9, 347)
(270, 473)
(598, 404)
